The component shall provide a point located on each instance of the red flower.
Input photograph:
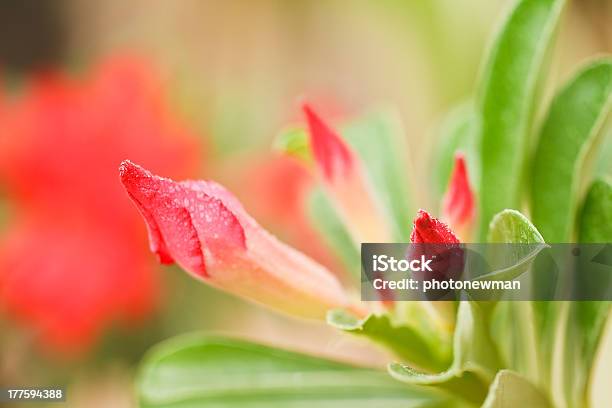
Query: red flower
(203, 228)
(71, 257)
(458, 204)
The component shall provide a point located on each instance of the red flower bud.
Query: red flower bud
(458, 204)
(447, 255)
(430, 230)
(203, 228)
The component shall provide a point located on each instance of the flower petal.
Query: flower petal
(175, 220)
(331, 153)
(205, 229)
(458, 203)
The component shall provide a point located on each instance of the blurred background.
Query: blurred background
(200, 89)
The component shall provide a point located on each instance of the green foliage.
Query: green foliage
(512, 227)
(564, 156)
(205, 371)
(586, 320)
(507, 99)
(569, 134)
(522, 331)
(404, 341)
(475, 359)
(596, 217)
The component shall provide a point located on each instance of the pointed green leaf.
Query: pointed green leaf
(203, 371)
(404, 341)
(509, 389)
(507, 101)
(512, 227)
(570, 133)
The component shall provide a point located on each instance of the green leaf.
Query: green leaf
(518, 327)
(379, 142)
(520, 266)
(404, 341)
(595, 224)
(587, 320)
(512, 227)
(457, 133)
(204, 371)
(510, 390)
(568, 139)
(326, 220)
(570, 133)
(293, 141)
(474, 358)
(507, 101)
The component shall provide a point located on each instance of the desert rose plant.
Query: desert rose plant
(497, 162)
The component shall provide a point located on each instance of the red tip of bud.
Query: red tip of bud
(458, 205)
(140, 185)
(430, 230)
(184, 220)
(331, 153)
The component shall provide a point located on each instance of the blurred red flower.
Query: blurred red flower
(73, 257)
